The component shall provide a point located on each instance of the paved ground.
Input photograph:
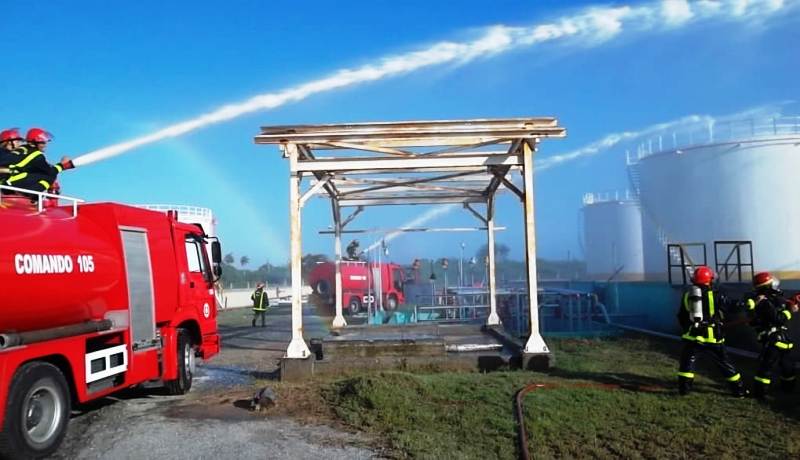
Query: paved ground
(213, 420)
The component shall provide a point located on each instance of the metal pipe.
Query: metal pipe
(13, 339)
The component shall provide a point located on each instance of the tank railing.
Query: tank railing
(734, 263)
(717, 132)
(41, 196)
(453, 307)
(560, 311)
(603, 197)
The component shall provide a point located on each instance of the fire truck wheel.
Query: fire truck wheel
(37, 412)
(391, 303)
(186, 365)
(354, 306)
(322, 287)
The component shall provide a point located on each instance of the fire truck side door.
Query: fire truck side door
(197, 283)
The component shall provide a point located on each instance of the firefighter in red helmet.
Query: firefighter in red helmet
(700, 316)
(770, 313)
(32, 171)
(10, 140)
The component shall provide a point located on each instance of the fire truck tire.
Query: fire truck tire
(185, 356)
(37, 412)
(322, 287)
(391, 302)
(354, 306)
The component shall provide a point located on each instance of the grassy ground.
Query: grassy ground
(471, 415)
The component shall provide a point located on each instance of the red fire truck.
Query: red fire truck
(95, 299)
(362, 284)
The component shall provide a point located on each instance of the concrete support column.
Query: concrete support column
(493, 319)
(535, 344)
(338, 320)
(297, 347)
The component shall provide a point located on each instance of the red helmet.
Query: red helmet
(11, 134)
(765, 280)
(703, 275)
(38, 135)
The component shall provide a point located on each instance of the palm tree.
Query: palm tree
(244, 261)
(229, 259)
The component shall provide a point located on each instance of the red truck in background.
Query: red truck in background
(362, 284)
(95, 299)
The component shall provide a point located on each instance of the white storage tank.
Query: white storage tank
(733, 181)
(612, 237)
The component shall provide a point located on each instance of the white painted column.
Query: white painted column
(297, 347)
(535, 342)
(338, 320)
(493, 319)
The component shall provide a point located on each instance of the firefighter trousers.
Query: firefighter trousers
(260, 314)
(718, 354)
(770, 355)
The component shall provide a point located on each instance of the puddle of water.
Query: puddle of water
(211, 377)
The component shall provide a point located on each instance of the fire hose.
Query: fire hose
(522, 433)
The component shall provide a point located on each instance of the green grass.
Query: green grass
(451, 415)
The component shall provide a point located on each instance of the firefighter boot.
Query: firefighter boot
(684, 385)
(738, 389)
(760, 388)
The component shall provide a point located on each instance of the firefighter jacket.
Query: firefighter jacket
(260, 300)
(31, 161)
(770, 315)
(714, 306)
(7, 157)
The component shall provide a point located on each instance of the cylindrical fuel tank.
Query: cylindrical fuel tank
(57, 270)
(717, 192)
(612, 231)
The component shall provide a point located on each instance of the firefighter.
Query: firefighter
(260, 303)
(700, 315)
(10, 141)
(770, 314)
(352, 250)
(32, 171)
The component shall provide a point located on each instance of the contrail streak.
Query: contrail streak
(588, 27)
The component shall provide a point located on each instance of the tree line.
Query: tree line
(474, 269)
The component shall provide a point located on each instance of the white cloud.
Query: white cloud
(676, 12)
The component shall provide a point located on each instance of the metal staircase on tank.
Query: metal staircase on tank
(635, 180)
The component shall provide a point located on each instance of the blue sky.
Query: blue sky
(96, 74)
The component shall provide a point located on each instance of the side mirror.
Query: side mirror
(216, 252)
(216, 258)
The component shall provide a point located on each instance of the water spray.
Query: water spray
(588, 27)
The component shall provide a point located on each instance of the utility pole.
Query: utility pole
(461, 265)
